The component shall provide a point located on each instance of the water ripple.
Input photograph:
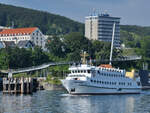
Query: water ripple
(61, 102)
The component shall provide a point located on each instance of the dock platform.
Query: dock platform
(18, 85)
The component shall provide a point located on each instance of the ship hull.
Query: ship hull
(80, 88)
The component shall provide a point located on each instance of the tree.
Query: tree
(76, 41)
(48, 23)
(55, 46)
(145, 46)
(20, 58)
(101, 50)
(39, 57)
(4, 61)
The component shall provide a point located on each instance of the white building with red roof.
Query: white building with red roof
(20, 34)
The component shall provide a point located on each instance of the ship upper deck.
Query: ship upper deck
(99, 68)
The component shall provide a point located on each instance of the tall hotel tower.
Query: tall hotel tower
(100, 27)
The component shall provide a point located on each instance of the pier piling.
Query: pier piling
(18, 85)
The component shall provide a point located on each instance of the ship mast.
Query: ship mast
(84, 55)
(112, 44)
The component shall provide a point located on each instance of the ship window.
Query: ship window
(89, 71)
(73, 90)
(75, 71)
(91, 80)
(84, 71)
(78, 71)
(138, 83)
(94, 80)
(81, 71)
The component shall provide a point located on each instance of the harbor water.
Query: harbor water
(61, 102)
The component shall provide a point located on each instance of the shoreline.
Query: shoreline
(48, 86)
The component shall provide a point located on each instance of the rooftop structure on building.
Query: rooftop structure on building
(3, 27)
(100, 27)
(32, 34)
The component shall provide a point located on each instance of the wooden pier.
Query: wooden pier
(18, 85)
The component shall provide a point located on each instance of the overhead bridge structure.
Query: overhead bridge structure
(10, 72)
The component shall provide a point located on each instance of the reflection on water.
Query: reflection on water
(99, 104)
(59, 102)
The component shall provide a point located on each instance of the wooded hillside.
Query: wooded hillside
(47, 22)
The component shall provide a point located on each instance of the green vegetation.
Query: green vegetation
(131, 36)
(69, 47)
(33, 74)
(137, 40)
(68, 41)
(14, 58)
(53, 80)
(48, 23)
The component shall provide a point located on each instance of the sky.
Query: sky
(132, 12)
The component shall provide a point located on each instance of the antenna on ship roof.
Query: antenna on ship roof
(94, 12)
(84, 55)
(112, 43)
(12, 24)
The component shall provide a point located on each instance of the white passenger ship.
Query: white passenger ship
(88, 79)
